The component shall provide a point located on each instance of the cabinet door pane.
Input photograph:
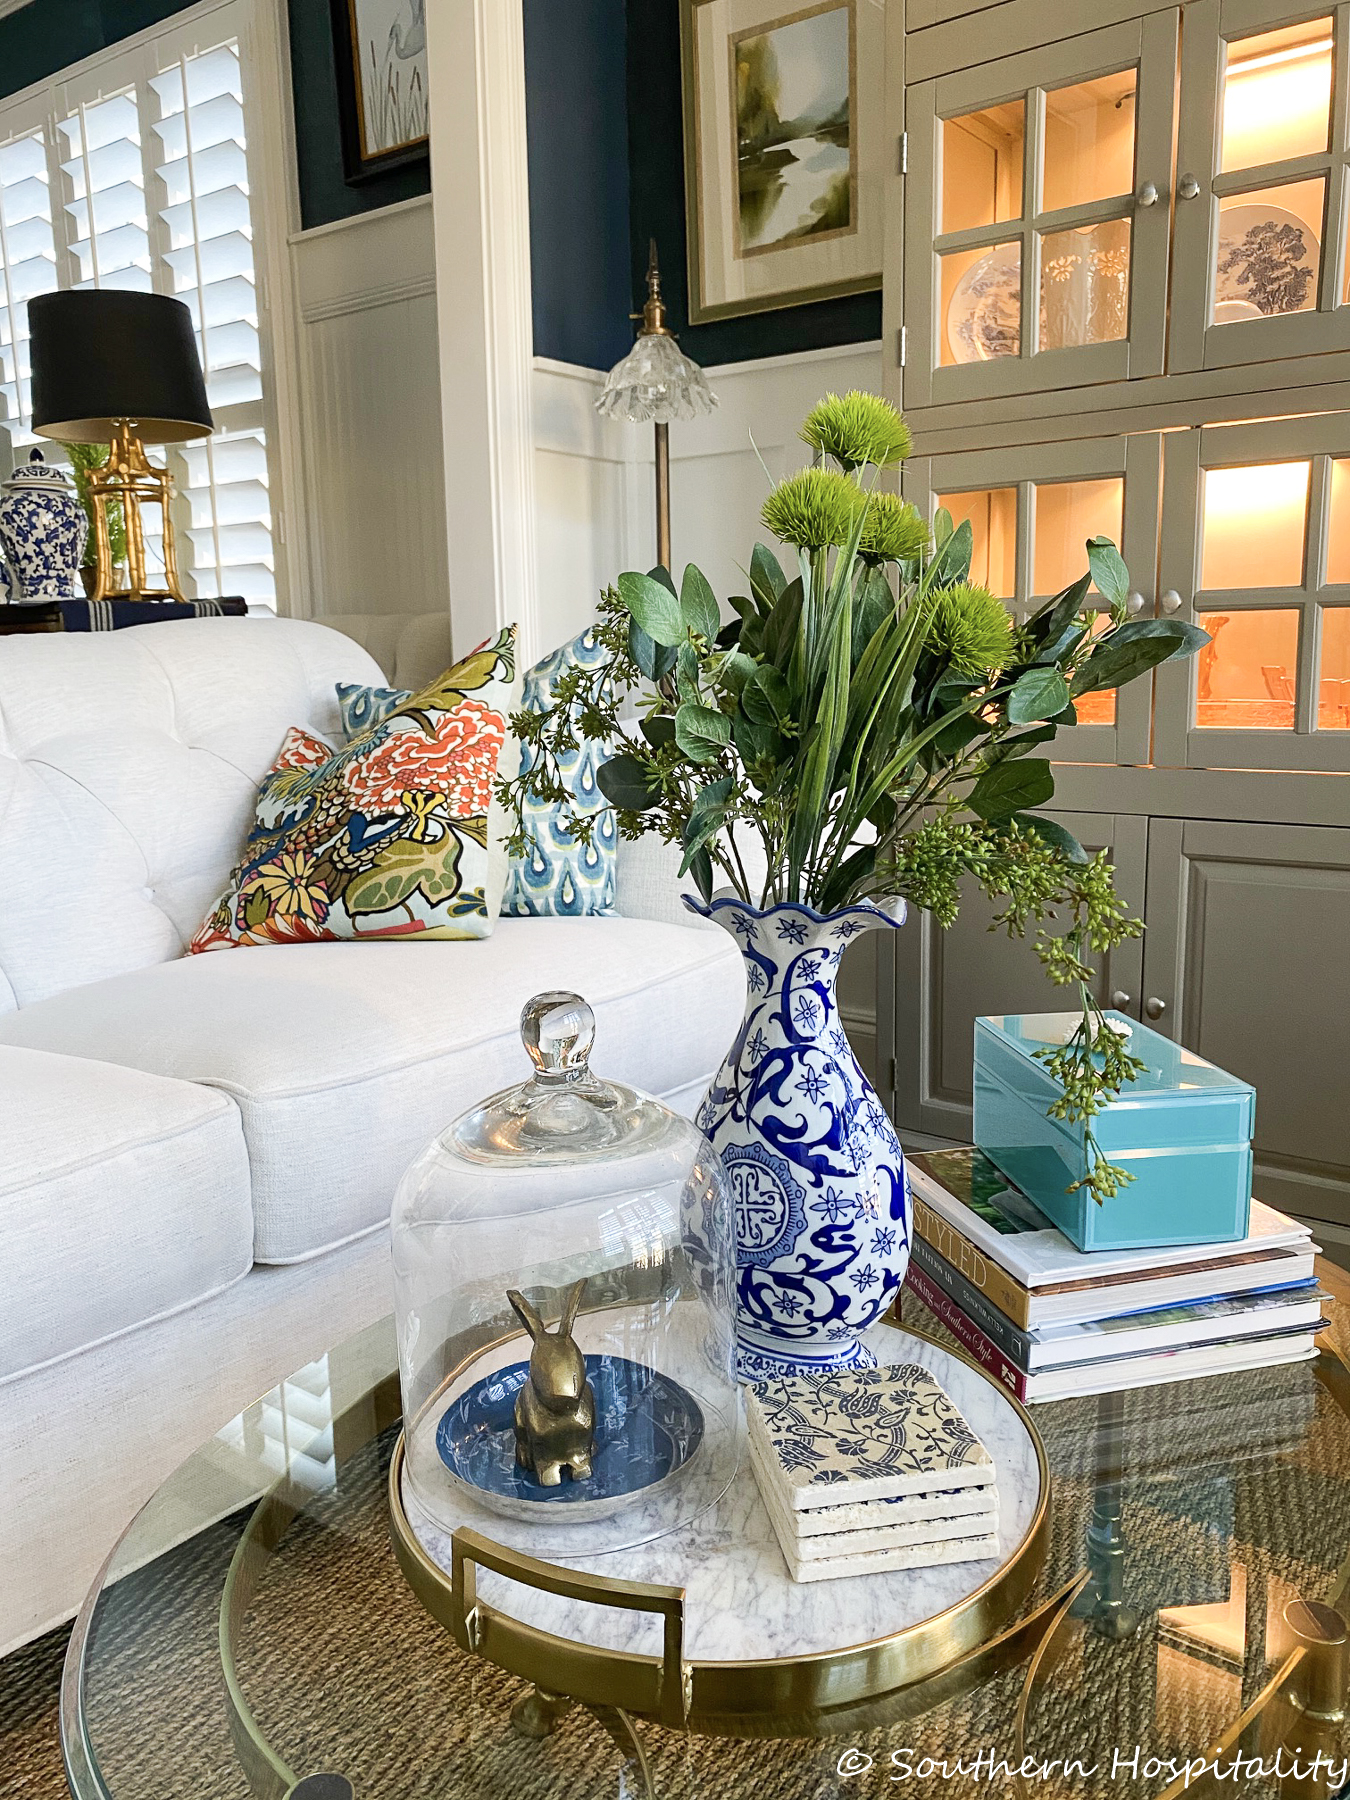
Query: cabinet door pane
(1333, 692)
(1256, 551)
(1029, 263)
(1268, 252)
(982, 167)
(1262, 154)
(1276, 95)
(1065, 515)
(1255, 526)
(1085, 285)
(992, 514)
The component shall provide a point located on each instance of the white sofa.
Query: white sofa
(197, 1154)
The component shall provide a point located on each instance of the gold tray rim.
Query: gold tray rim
(750, 1691)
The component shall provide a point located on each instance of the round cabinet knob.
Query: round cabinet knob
(1146, 194)
(1154, 1007)
(1134, 603)
(1171, 601)
(1187, 188)
(1120, 999)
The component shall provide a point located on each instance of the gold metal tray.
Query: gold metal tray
(797, 1695)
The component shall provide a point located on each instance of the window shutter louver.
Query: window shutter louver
(154, 194)
(27, 267)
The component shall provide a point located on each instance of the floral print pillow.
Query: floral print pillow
(387, 837)
(557, 876)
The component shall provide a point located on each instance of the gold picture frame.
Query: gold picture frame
(777, 220)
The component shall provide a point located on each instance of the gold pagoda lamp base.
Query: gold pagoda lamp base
(131, 480)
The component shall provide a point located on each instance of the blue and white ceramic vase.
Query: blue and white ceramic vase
(822, 1210)
(43, 529)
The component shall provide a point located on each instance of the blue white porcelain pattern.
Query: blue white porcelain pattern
(647, 1428)
(822, 1209)
(864, 1434)
(43, 529)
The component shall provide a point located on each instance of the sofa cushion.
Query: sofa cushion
(123, 1197)
(395, 835)
(129, 762)
(345, 1059)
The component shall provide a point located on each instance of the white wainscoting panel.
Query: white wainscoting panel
(371, 445)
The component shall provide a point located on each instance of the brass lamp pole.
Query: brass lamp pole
(656, 381)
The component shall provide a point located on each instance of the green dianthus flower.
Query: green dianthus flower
(971, 629)
(857, 428)
(813, 509)
(892, 530)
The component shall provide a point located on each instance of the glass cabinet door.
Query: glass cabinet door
(1262, 147)
(1256, 550)
(1037, 217)
(1032, 511)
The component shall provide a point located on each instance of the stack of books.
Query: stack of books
(866, 1470)
(1051, 1321)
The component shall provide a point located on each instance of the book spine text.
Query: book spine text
(966, 1331)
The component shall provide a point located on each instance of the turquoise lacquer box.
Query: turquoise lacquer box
(1183, 1130)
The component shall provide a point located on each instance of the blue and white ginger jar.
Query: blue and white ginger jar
(815, 1166)
(43, 529)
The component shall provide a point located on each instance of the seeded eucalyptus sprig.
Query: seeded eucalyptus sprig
(871, 715)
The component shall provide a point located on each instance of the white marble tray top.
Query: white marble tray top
(740, 1603)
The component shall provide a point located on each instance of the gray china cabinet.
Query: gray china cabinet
(1117, 300)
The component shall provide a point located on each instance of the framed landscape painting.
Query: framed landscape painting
(783, 133)
(382, 83)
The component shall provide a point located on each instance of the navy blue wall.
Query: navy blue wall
(48, 35)
(576, 112)
(656, 186)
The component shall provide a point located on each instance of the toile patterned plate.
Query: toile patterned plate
(1266, 263)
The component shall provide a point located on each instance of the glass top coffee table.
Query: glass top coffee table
(252, 1634)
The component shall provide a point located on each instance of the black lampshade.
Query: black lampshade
(101, 354)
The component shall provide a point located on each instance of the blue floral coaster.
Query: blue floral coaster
(831, 1437)
(647, 1427)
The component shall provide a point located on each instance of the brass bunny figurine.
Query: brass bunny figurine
(555, 1414)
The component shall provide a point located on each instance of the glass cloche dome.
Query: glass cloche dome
(564, 1269)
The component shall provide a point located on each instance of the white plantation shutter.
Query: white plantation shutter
(133, 172)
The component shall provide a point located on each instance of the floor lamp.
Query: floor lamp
(656, 381)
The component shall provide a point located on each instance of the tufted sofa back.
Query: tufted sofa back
(128, 766)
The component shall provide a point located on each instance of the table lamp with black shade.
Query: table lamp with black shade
(112, 366)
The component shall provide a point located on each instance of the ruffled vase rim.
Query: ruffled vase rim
(890, 911)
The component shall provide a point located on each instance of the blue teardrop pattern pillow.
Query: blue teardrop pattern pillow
(558, 876)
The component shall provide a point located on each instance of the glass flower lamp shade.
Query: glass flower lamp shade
(564, 1268)
(655, 383)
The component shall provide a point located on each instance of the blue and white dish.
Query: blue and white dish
(648, 1429)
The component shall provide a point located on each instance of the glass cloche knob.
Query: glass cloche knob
(558, 1030)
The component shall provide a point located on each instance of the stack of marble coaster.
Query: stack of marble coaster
(865, 1470)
